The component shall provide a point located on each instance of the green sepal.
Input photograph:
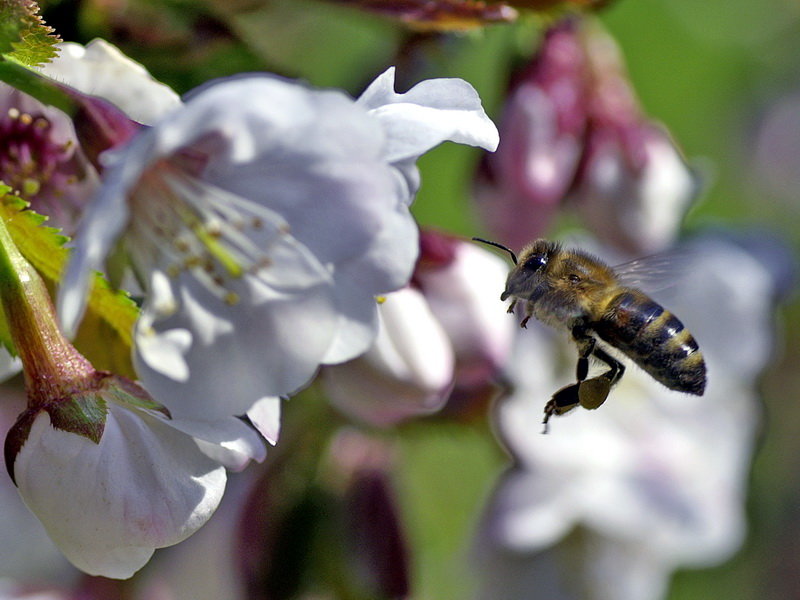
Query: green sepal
(24, 37)
(128, 393)
(83, 414)
(105, 336)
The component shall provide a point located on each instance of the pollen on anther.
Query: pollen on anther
(263, 262)
(192, 262)
(231, 298)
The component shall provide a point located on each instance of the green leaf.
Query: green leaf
(105, 335)
(24, 37)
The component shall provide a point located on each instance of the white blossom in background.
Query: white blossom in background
(454, 276)
(611, 501)
(100, 69)
(41, 158)
(441, 339)
(639, 207)
(262, 217)
(408, 371)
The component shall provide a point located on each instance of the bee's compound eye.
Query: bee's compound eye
(573, 278)
(535, 262)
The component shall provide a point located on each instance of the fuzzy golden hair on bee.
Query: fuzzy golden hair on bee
(574, 290)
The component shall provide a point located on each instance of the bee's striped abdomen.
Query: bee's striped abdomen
(655, 339)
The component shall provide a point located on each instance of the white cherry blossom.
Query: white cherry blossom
(262, 217)
(100, 69)
(408, 371)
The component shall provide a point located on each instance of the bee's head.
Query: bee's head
(528, 272)
(528, 268)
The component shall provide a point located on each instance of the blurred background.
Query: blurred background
(722, 77)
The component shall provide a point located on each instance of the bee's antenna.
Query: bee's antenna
(496, 245)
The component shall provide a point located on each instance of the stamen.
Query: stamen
(190, 226)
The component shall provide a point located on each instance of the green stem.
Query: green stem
(51, 364)
(35, 85)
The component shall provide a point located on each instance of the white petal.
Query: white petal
(459, 294)
(431, 112)
(356, 327)
(385, 267)
(269, 343)
(314, 157)
(101, 225)
(108, 506)
(100, 69)
(266, 417)
(165, 352)
(408, 371)
(229, 441)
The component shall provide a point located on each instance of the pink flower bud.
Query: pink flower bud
(542, 132)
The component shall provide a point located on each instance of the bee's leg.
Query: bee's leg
(593, 392)
(586, 346)
(564, 400)
(615, 368)
(512, 305)
(528, 315)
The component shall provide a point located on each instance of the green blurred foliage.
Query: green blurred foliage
(706, 70)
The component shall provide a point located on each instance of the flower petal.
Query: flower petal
(100, 69)
(109, 505)
(265, 415)
(269, 343)
(430, 113)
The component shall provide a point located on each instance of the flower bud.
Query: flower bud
(408, 370)
(542, 130)
(453, 275)
(634, 186)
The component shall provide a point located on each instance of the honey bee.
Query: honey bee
(574, 290)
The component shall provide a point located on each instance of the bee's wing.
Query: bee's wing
(654, 272)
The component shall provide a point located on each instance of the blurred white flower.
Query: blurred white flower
(262, 217)
(635, 198)
(41, 156)
(408, 371)
(653, 480)
(454, 276)
(100, 69)
(440, 339)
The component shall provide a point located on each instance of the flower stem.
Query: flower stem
(53, 367)
(37, 86)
